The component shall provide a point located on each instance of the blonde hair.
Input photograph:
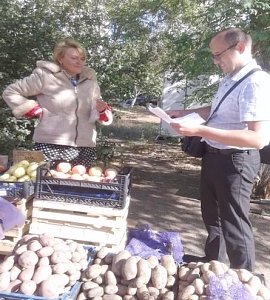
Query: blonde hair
(64, 44)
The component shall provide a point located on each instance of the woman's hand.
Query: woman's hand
(101, 105)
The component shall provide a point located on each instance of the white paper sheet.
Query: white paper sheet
(192, 118)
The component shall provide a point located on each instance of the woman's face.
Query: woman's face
(72, 61)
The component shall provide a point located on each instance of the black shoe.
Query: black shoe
(193, 258)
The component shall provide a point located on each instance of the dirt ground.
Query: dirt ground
(165, 193)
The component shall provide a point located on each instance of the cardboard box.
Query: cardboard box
(31, 156)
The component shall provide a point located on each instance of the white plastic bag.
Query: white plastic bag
(10, 217)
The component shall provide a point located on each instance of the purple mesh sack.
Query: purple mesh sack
(224, 287)
(144, 242)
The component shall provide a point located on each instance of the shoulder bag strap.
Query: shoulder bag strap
(230, 90)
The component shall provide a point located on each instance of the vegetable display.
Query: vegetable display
(21, 171)
(123, 276)
(79, 172)
(42, 265)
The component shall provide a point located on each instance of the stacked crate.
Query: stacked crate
(91, 213)
(21, 195)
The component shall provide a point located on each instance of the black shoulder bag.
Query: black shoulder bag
(193, 146)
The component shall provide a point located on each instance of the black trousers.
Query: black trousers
(226, 185)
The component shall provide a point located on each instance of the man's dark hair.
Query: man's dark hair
(234, 35)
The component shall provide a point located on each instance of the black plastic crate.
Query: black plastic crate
(17, 189)
(106, 194)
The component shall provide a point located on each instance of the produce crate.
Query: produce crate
(106, 194)
(88, 225)
(72, 294)
(16, 189)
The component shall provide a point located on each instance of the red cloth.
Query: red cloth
(35, 112)
(104, 115)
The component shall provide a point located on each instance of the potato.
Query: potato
(122, 290)
(27, 274)
(153, 261)
(111, 297)
(95, 292)
(159, 277)
(47, 240)
(169, 295)
(86, 286)
(187, 292)
(43, 261)
(183, 272)
(14, 272)
(7, 264)
(167, 261)
(102, 252)
(53, 286)
(60, 268)
(110, 289)
(110, 278)
(58, 257)
(4, 281)
(93, 271)
(255, 283)
(76, 257)
(34, 245)
(118, 260)
(27, 259)
(129, 268)
(14, 285)
(28, 287)
(216, 267)
(20, 249)
(143, 271)
(244, 275)
(199, 286)
(143, 293)
(45, 251)
(42, 273)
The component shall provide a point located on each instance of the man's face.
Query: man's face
(225, 56)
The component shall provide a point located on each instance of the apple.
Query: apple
(76, 177)
(78, 169)
(95, 171)
(63, 167)
(94, 178)
(110, 173)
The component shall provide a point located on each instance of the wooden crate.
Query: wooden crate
(6, 246)
(95, 226)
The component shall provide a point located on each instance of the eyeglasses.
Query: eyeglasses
(217, 56)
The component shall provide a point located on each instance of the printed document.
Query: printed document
(192, 118)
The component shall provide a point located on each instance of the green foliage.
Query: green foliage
(130, 44)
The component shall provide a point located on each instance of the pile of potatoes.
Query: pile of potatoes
(116, 276)
(42, 265)
(123, 276)
(195, 281)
